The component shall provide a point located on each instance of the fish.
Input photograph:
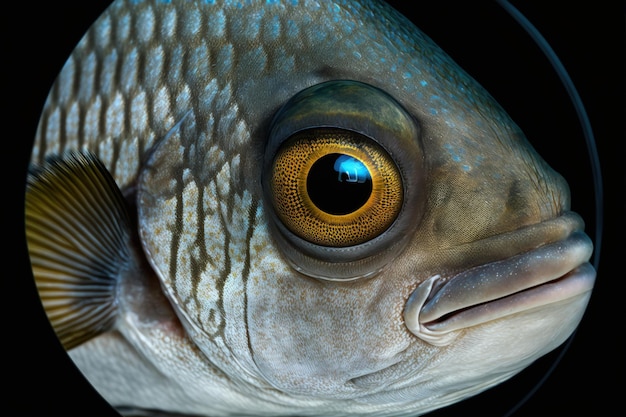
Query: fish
(161, 230)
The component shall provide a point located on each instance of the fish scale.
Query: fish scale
(220, 309)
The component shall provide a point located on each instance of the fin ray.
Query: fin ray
(77, 230)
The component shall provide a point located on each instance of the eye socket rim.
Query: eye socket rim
(371, 112)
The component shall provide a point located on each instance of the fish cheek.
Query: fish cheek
(314, 337)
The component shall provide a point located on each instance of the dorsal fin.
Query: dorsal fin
(78, 235)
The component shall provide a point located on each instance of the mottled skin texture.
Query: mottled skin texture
(176, 99)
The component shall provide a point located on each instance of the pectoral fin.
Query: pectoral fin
(78, 234)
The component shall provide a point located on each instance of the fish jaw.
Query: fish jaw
(442, 307)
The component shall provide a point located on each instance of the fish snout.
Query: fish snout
(556, 272)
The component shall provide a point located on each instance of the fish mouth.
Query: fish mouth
(554, 272)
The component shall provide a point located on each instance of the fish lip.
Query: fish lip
(554, 272)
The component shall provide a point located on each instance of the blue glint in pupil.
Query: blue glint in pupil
(350, 169)
(339, 184)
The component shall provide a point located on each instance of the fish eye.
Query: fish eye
(335, 188)
(342, 175)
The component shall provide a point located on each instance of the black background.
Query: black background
(486, 42)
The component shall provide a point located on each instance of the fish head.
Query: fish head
(340, 219)
(461, 265)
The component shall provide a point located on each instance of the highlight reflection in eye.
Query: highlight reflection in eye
(350, 169)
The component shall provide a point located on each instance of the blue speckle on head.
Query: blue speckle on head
(457, 155)
(423, 83)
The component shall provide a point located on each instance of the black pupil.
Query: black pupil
(339, 184)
